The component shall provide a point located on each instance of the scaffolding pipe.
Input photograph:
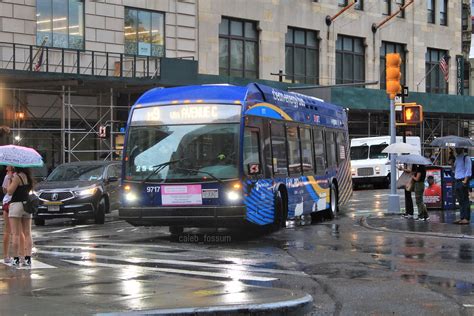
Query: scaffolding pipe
(63, 128)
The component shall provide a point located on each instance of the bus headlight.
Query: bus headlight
(131, 197)
(377, 169)
(233, 196)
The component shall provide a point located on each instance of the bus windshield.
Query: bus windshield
(211, 148)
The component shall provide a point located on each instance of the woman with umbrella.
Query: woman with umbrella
(19, 188)
(419, 176)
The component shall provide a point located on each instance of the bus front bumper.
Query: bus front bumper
(205, 216)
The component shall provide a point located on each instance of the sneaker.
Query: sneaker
(7, 260)
(16, 262)
(407, 216)
(27, 261)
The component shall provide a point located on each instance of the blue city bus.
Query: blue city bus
(221, 155)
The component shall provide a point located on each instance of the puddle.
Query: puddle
(456, 287)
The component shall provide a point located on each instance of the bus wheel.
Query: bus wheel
(281, 212)
(176, 230)
(334, 208)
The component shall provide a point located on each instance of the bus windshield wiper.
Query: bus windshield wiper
(199, 171)
(160, 167)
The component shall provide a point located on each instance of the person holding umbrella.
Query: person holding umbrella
(419, 176)
(462, 174)
(22, 158)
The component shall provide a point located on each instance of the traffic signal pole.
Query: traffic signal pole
(393, 75)
(393, 199)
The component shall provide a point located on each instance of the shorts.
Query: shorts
(16, 210)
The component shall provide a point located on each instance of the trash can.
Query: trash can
(439, 188)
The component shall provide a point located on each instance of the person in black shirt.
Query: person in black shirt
(419, 175)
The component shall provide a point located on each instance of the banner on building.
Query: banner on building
(459, 75)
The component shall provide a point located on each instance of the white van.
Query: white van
(369, 164)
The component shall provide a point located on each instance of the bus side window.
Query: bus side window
(331, 149)
(341, 147)
(306, 150)
(294, 154)
(251, 147)
(278, 148)
(319, 152)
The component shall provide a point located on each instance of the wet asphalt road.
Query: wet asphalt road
(347, 268)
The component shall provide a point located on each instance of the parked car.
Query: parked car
(79, 190)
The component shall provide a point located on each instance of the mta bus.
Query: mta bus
(222, 155)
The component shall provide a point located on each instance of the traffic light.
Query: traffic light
(103, 131)
(412, 113)
(393, 74)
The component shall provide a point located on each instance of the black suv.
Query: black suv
(79, 190)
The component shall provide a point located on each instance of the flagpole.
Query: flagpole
(432, 68)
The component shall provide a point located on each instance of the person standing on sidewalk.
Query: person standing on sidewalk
(20, 221)
(5, 203)
(419, 176)
(462, 174)
(408, 200)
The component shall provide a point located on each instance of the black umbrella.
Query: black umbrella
(452, 141)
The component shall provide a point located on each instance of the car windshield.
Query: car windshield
(359, 152)
(376, 151)
(200, 148)
(77, 172)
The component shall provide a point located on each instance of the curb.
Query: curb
(363, 222)
(298, 306)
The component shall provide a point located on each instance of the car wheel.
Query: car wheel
(99, 215)
(176, 230)
(39, 222)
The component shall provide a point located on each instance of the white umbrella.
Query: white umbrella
(400, 148)
(19, 156)
(414, 159)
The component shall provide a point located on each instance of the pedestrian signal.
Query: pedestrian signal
(412, 113)
(103, 131)
(393, 74)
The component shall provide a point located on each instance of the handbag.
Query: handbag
(403, 180)
(30, 206)
(410, 186)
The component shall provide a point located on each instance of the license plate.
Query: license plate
(53, 208)
(210, 194)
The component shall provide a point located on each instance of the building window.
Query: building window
(238, 48)
(301, 56)
(435, 81)
(144, 32)
(387, 7)
(359, 5)
(342, 3)
(388, 48)
(466, 18)
(431, 11)
(400, 3)
(60, 23)
(350, 60)
(443, 12)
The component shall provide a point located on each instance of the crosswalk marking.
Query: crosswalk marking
(118, 250)
(135, 260)
(178, 271)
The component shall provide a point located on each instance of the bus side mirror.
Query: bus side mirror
(253, 168)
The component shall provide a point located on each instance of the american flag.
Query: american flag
(443, 65)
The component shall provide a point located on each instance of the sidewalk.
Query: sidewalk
(440, 224)
(133, 291)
